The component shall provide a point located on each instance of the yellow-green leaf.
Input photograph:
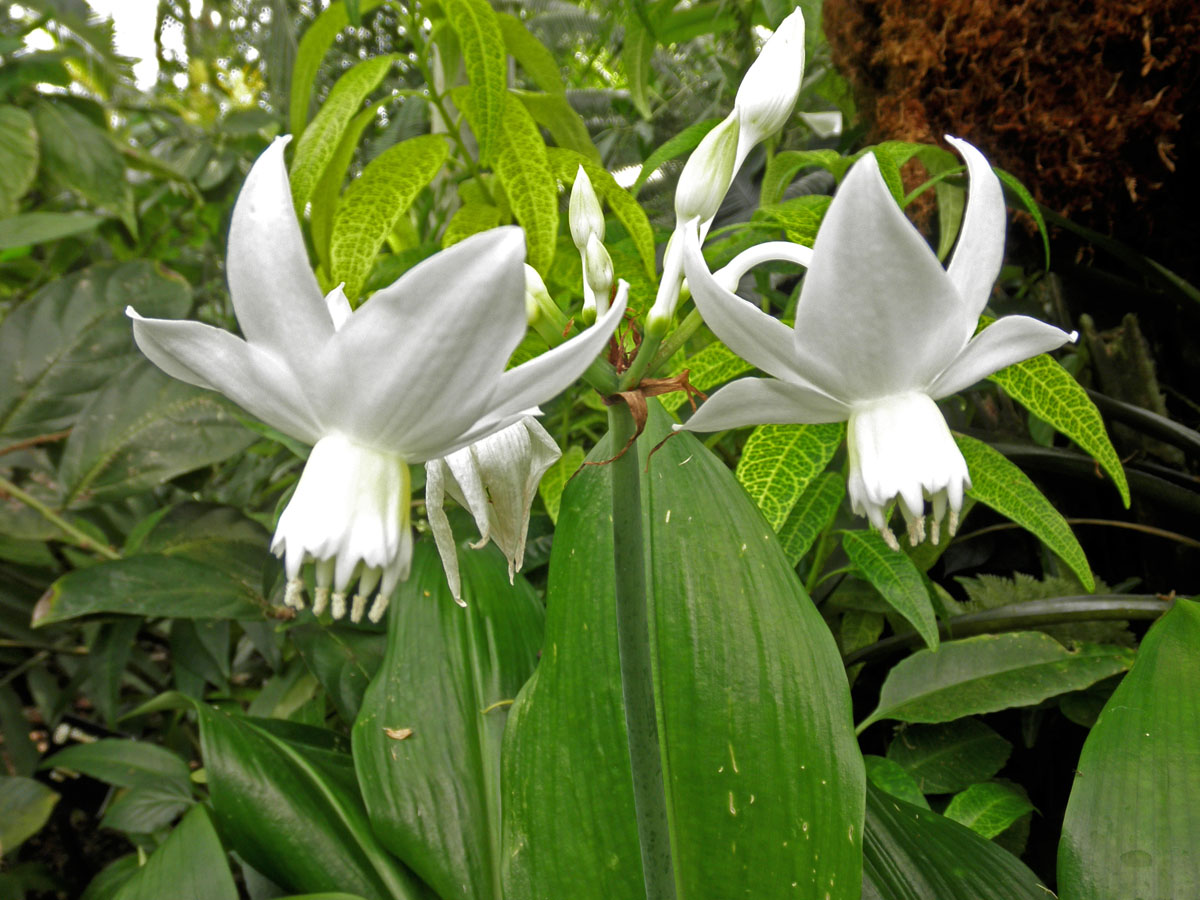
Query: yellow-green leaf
(779, 461)
(566, 126)
(531, 54)
(712, 366)
(316, 42)
(896, 578)
(475, 23)
(469, 219)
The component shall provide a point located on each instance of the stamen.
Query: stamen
(935, 530)
(320, 600)
(953, 523)
(293, 594)
(358, 607)
(339, 604)
(378, 608)
(886, 534)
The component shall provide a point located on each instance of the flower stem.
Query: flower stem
(80, 538)
(637, 681)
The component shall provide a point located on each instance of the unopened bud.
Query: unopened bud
(768, 93)
(540, 308)
(584, 213)
(706, 177)
(599, 273)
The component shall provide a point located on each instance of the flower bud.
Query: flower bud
(584, 213)
(598, 270)
(706, 177)
(768, 93)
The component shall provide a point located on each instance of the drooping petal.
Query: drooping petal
(977, 255)
(251, 376)
(1004, 342)
(416, 364)
(274, 291)
(877, 313)
(439, 524)
(760, 401)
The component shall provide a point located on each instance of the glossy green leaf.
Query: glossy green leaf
(763, 780)
(220, 536)
(286, 800)
(320, 139)
(989, 673)
(344, 660)
(1132, 818)
(684, 142)
(896, 578)
(914, 854)
(126, 763)
(891, 778)
(18, 157)
(554, 113)
(949, 757)
(997, 483)
(25, 806)
(708, 368)
(375, 201)
(427, 741)
(779, 461)
(469, 219)
(555, 480)
(782, 168)
(989, 807)
(27, 229)
(111, 878)
(800, 217)
(812, 514)
(479, 35)
(190, 863)
(530, 53)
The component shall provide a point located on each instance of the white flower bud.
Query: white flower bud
(584, 214)
(598, 270)
(768, 93)
(706, 177)
(537, 298)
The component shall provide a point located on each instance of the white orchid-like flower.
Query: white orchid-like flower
(415, 374)
(882, 331)
(496, 479)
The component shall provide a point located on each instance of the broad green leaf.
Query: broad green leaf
(779, 461)
(140, 431)
(344, 660)
(427, 741)
(997, 483)
(469, 219)
(989, 807)
(710, 367)
(25, 806)
(763, 781)
(684, 142)
(18, 157)
(478, 30)
(914, 854)
(896, 578)
(800, 217)
(320, 139)
(892, 779)
(782, 168)
(27, 229)
(21, 752)
(555, 480)
(1132, 818)
(566, 126)
(128, 764)
(949, 757)
(989, 673)
(286, 801)
(1049, 391)
(190, 863)
(111, 878)
(144, 809)
(531, 54)
(859, 628)
(70, 338)
(812, 514)
(373, 203)
(637, 50)
(1032, 207)
(220, 536)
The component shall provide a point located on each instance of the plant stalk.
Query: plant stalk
(81, 539)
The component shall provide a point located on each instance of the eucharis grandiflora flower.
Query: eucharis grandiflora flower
(416, 373)
(881, 332)
(496, 479)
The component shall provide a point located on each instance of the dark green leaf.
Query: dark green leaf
(32, 228)
(190, 863)
(344, 660)
(25, 806)
(891, 778)
(896, 578)
(949, 757)
(989, 807)
(127, 763)
(18, 157)
(531, 54)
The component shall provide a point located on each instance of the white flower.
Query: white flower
(496, 479)
(768, 93)
(415, 374)
(882, 330)
(584, 214)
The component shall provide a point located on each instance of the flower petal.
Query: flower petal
(275, 294)
(439, 524)
(338, 306)
(251, 376)
(762, 401)
(1004, 342)
(414, 367)
(979, 251)
(877, 313)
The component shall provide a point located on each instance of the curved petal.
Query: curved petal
(417, 362)
(274, 291)
(212, 358)
(1004, 342)
(770, 251)
(979, 251)
(764, 401)
(877, 313)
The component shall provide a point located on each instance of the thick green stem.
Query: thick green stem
(637, 369)
(81, 539)
(637, 682)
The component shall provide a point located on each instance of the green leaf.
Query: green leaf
(286, 801)
(763, 791)
(555, 480)
(1046, 389)
(27, 229)
(344, 660)
(70, 338)
(1132, 818)
(637, 51)
(25, 806)
(989, 673)
(997, 483)
(143, 810)
(449, 675)
(779, 461)
(18, 157)
(469, 219)
(1032, 207)
(319, 141)
(142, 430)
(891, 778)
(531, 54)
(220, 536)
(111, 878)
(800, 217)
(949, 757)
(711, 366)
(892, 155)
(375, 201)
(914, 854)
(989, 807)
(566, 126)
(684, 142)
(128, 764)
(782, 168)
(812, 514)
(190, 863)
(478, 30)
(896, 578)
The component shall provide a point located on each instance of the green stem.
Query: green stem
(676, 339)
(637, 682)
(633, 375)
(81, 539)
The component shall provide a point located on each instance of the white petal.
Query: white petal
(769, 90)
(760, 401)
(770, 251)
(338, 306)
(274, 291)
(877, 313)
(979, 251)
(414, 367)
(251, 376)
(1004, 342)
(439, 524)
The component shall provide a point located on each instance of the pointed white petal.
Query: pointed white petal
(1004, 342)
(274, 291)
(338, 306)
(877, 313)
(760, 401)
(979, 251)
(252, 377)
(769, 251)
(439, 524)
